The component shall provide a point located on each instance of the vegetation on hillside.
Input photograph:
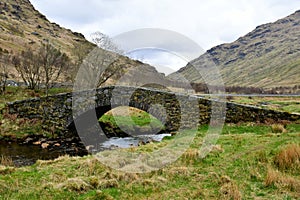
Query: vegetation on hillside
(22, 25)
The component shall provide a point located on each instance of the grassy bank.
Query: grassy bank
(131, 120)
(287, 104)
(20, 93)
(249, 161)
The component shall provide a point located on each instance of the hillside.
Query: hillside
(22, 27)
(267, 57)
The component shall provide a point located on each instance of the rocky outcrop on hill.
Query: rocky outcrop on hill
(267, 57)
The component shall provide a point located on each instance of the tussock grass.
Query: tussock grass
(191, 154)
(229, 189)
(183, 171)
(280, 180)
(4, 170)
(278, 128)
(60, 159)
(74, 184)
(6, 161)
(217, 149)
(98, 183)
(288, 158)
(128, 177)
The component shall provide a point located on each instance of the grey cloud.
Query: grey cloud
(207, 22)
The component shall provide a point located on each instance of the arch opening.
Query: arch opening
(125, 121)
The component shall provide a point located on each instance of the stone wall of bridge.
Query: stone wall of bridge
(175, 110)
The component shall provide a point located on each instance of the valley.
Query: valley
(81, 121)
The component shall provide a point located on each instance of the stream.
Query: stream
(28, 154)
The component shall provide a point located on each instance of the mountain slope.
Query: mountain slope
(267, 57)
(22, 26)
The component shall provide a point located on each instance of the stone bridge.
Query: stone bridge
(70, 112)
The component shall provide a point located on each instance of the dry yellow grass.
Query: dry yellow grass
(272, 177)
(6, 161)
(288, 157)
(191, 154)
(74, 184)
(124, 111)
(280, 180)
(278, 128)
(6, 170)
(229, 189)
(178, 171)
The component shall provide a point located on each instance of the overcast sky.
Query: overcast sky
(207, 22)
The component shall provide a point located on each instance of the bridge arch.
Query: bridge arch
(163, 106)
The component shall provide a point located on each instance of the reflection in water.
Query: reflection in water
(23, 155)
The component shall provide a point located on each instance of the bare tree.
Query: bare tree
(4, 61)
(80, 52)
(28, 67)
(100, 64)
(96, 69)
(105, 42)
(53, 62)
(44, 66)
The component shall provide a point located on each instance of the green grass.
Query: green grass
(143, 120)
(246, 128)
(138, 121)
(287, 104)
(236, 169)
(20, 93)
(293, 127)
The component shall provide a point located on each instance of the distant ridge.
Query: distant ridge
(267, 57)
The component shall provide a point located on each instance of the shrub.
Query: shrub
(11, 117)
